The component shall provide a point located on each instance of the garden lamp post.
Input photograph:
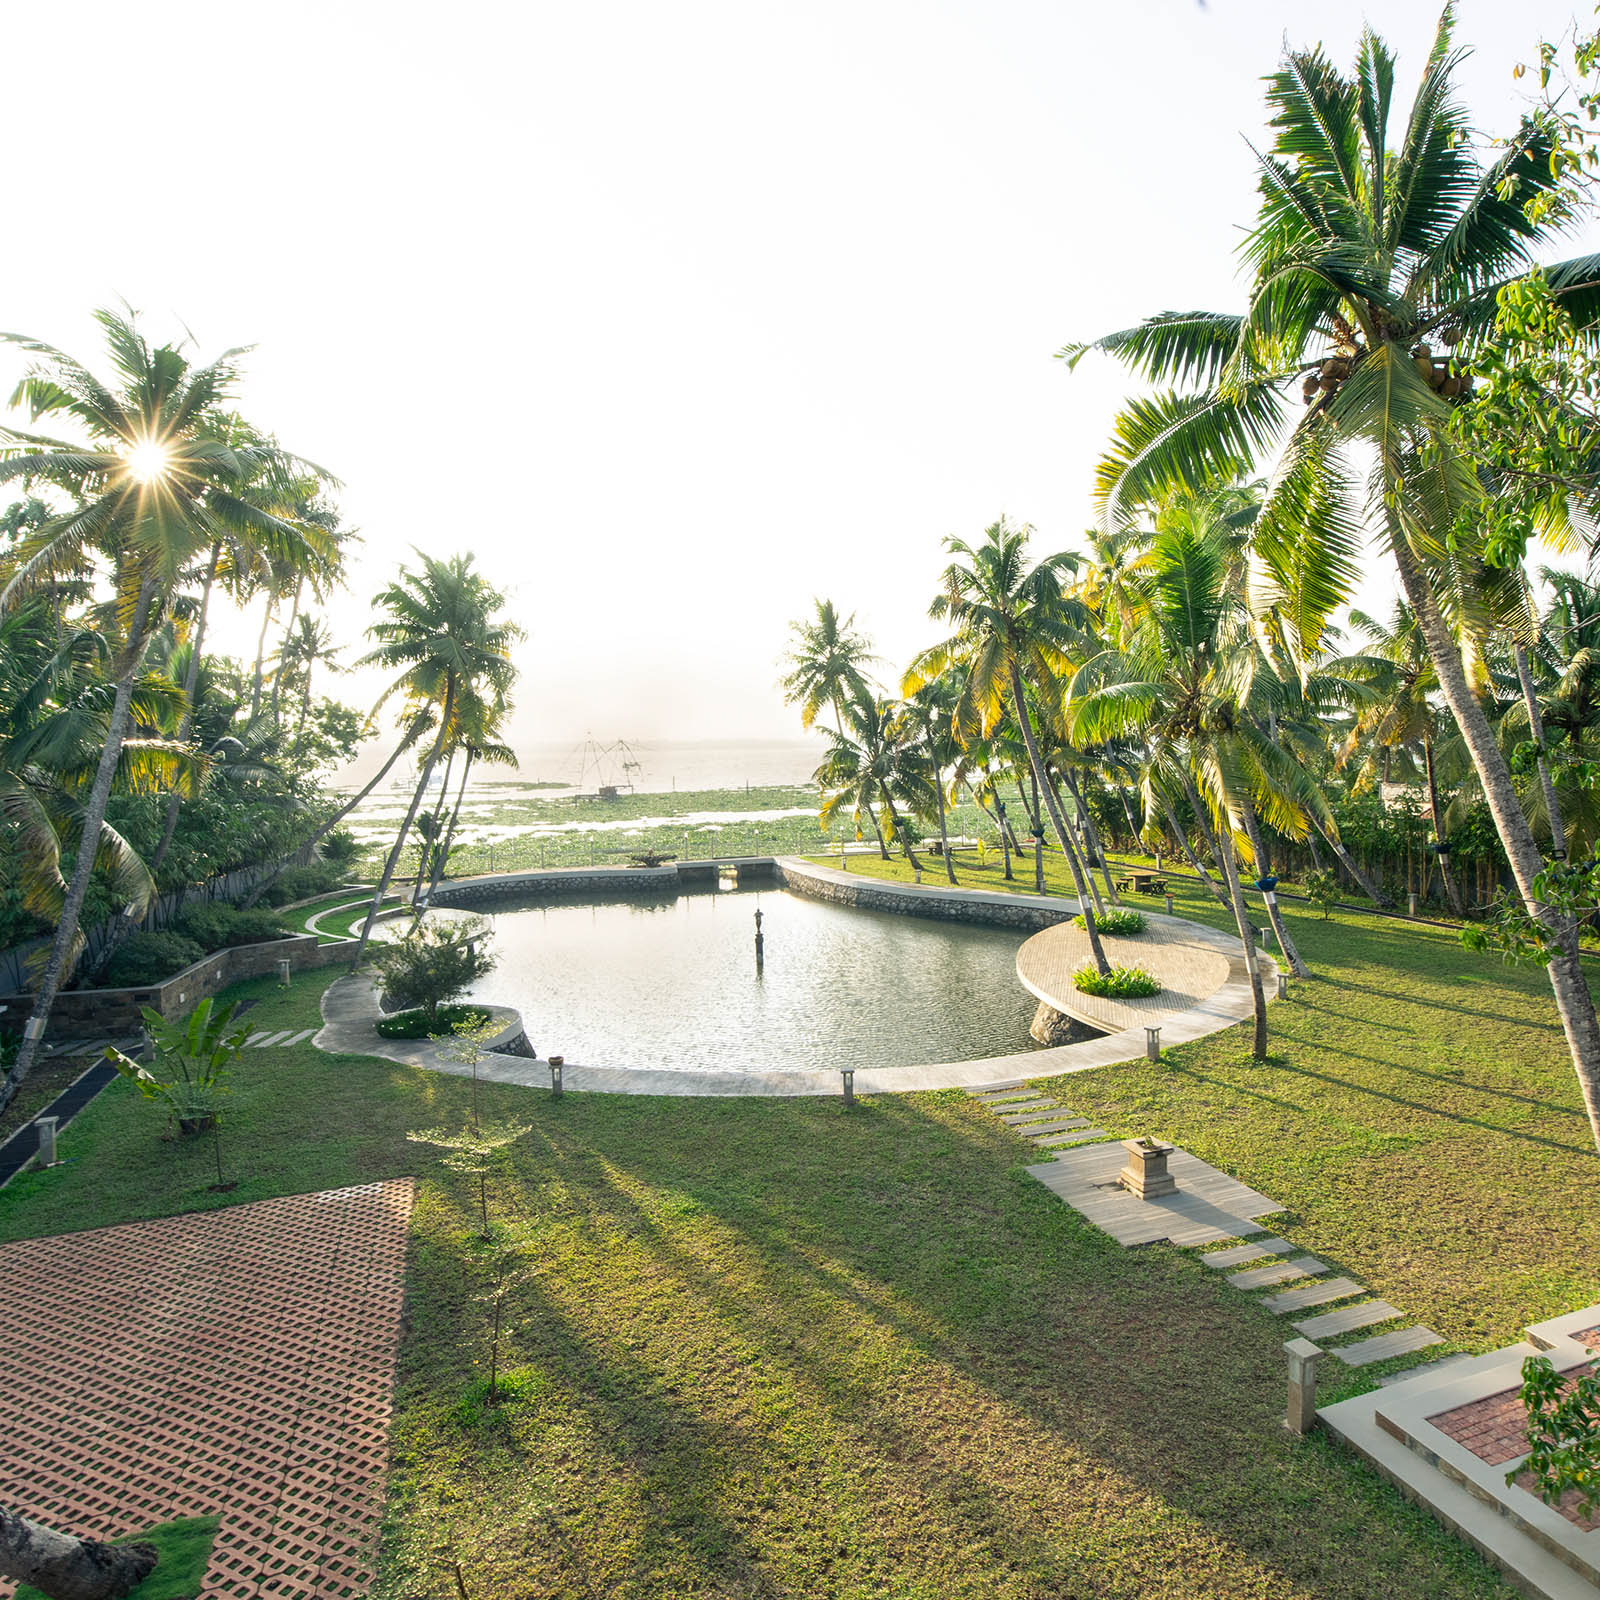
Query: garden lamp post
(848, 1074)
(1152, 1042)
(556, 1064)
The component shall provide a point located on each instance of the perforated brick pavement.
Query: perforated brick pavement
(237, 1361)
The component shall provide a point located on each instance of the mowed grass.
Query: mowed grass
(1419, 1115)
(772, 1348)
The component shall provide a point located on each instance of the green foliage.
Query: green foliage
(221, 927)
(192, 1056)
(514, 1386)
(1120, 983)
(1510, 930)
(302, 883)
(420, 1024)
(1121, 921)
(340, 848)
(149, 958)
(1322, 889)
(434, 962)
(1563, 1434)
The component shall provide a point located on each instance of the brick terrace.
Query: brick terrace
(238, 1361)
(1495, 1430)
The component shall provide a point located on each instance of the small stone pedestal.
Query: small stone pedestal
(1146, 1173)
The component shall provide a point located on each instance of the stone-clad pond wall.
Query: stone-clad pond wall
(492, 890)
(943, 904)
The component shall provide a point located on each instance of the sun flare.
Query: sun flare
(148, 461)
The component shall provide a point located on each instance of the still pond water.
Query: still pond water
(671, 982)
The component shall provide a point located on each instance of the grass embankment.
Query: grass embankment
(769, 1348)
(1419, 1114)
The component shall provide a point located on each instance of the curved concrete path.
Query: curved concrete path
(350, 1006)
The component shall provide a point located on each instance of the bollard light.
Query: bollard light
(556, 1064)
(283, 974)
(1152, 1042)
(1169, 905)
(1283, 985)
(849, 1076)
(46, 1127)
(1303, 1358)
(1411, 905)
(917, 871)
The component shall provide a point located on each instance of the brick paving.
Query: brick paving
(238, 1362)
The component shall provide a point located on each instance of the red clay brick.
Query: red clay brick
(236, 1361)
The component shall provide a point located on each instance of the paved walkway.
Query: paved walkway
(236, 1363)
(1208, 1208)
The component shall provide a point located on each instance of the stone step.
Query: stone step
(1033, 1114)
(1041, 1130)
(1020, 1108)
(1433, 1371)
(1278, 1272)
(1065, 1143)
(1332, 1323)
(1241, 1253)
(997, 1089)
(299, 1038)
(1317, 1294)
(1381, 1346)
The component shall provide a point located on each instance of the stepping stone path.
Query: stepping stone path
(280, 1040)
(1266, 1261)
(1052, 1127)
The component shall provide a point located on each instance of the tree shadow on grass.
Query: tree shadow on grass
(992, 1397)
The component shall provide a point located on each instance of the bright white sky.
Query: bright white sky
(679, 314)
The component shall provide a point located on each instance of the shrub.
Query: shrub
(1121, 921)
(417, 1024)
(339, 849)
(150, 958)
(220, 927)
(1121, 983)
(1322, 889)
(435, 962)
(301, 883)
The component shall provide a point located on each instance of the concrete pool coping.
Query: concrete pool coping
(350, 1007)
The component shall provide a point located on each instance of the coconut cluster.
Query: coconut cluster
(1438, 372)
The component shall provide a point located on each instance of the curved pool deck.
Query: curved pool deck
(1185, 953)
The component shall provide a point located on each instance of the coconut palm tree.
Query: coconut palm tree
(482, 726)
(1402, 716)
(1368, 266)
(1013, 624)
(310, 646)
(930, 714)
(441, 632)
(1191, 682)
(877, 762)
(148, 490)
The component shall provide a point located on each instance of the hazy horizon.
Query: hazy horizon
(681, 316)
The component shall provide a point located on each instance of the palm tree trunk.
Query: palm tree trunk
(1194, 861)
(1078, 851)
(1451, 888)
(1127, 812)
(1258, 997)
(442, 857)
(1573, 1000)
(1094, 838)
(305, 711)
(1036, 761)
(58, 963)
(190, 679)
(1005, 837)
(277, 677)
(393, 859)
(944, 832)
(1285, 944)
(894, 823)
(261, 656)
(1552, 806)
(429, 856)
(66, 1568)
(1038, 836)
(333, 821)
(1353, 867)
(866, 805)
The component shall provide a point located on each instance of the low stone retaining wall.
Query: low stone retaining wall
(944, 904)
(92, 1013)
(491, 889)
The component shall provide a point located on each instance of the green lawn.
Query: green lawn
(771, 1348)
